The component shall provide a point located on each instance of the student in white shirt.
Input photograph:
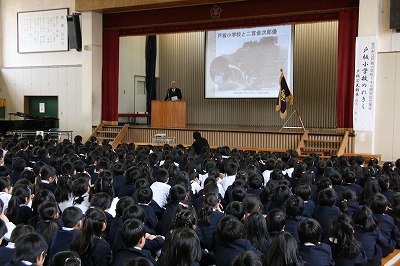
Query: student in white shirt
(161, 188)
(5, 191)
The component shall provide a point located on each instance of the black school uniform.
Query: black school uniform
(118, 182)
(23, 215)
(123, 255)
(99, 255)
(151, 217)
(325, 215)
(208, 230)
(62, 239)
(316, 254)
(7, 253)
(309, 207)
(292, 223)
(390, 232)
(370, 242)
(352, 260)
(225, 253)
(167, 220)
(355, 187)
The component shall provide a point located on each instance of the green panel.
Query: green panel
(50, 104)
(2, 112)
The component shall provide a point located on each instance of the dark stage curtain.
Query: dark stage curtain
(110, 76)
(151, 56)
(347, 33)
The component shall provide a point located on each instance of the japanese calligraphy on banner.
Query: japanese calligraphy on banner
(364, 84)
(43, 31)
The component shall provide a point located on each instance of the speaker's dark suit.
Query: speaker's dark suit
(173, 92)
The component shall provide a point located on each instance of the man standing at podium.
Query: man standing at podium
(173, 93)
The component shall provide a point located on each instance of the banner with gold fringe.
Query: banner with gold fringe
(285, 97)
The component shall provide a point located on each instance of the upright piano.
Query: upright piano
(29, 122)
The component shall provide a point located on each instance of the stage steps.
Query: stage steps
(311, 144)
(114, 134)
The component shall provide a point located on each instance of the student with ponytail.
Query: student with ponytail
(46, 179)
(18, 210)
(48, 225)
(80, 190)
(89, 244)
(210, 215)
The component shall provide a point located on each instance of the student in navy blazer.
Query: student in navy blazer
(311, 250)
(294, 206)
(304, 191)
(386, 224)
(133, 239)
(62, 238)
(144, 196)
(326, 210)
(232, 236)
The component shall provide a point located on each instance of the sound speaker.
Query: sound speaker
(395, 14)
(74, 32)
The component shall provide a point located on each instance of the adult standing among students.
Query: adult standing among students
(173, 93)
(199, 142)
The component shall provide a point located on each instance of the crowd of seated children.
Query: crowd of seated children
(87, 204)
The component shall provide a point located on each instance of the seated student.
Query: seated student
(18, 210)
(349, 178)
(7, 252)
(311, 250)
(283, 251)
(88, 243)
(384, 184)
(63, 192)
(247, 258)
(118, 169)
(366, 231)
(386, 224)
(5, 191)
(269, 165)
(133, 239)
(18, 166)
(144, 196)
(257, 231)
(80, 190)
(66, 258)
(231, 168)
(235, 208)
(209, 217)
(304, 191)
(182, 248)
(346, 250)
(102, 200)
(294, 206)
(46, 179)
(30, 249)
(232, 241)
(62, 239)
(48, 223)
(161, 188)
(276, 221)
(117, 222)
(348, 203)
(177, 195)
(326, 210)
(337, 181)
(255, 183)
(279, 196)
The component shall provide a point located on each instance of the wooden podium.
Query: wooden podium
(168, 114)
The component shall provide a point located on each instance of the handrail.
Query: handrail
(301, 143)
(118, 139)
(343, 145)
(94, 133)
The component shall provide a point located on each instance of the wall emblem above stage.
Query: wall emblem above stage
(215, 11)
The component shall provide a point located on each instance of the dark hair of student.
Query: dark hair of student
(79, 187)
(48, 212)
(365, 219)
(71, 216)
(48, 173)
(327, 197)
(93, 224)
(20, 230)
(104, 185)
(235, 208)
(139, 261)
(185, 218)
(310, 231)
(182, 248)
(5, 183)
(40, 197)
(142, 182)
(238, 193)
(257, 231)
(66, 258)
(346, 198)
(29, 247)
(281, 193)
(64, 189)
(303, 191)
(3, 228)
(230, 228)
(144, 195)
(123, 204)
(251, 203)
(282, 251)
(177, 192)
(101, 200)
(255, 181)
(20, 195)
(276, 220)
(162, 175)
(67, 168)
(379, 204)
(247, 258)
(371, 187)
(134, 211)
(342, 232)
(294, 206)
(132, 231)
(18, 164)
(210, 200)
(231, 168)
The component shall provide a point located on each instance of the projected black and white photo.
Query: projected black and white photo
(246, 63)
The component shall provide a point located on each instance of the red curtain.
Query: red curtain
(347, 33)
(110, 76)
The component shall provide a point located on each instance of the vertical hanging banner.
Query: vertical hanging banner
(364, 84)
